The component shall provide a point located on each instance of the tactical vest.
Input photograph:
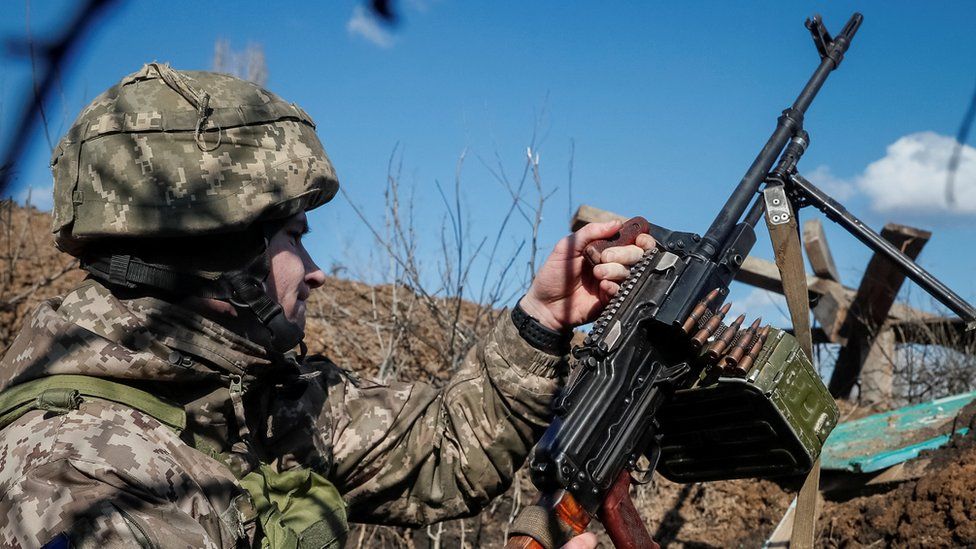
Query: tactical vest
(295, 509)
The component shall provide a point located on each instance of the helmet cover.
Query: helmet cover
(170, 154)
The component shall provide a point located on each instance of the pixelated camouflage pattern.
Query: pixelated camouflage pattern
(405, 454)
(134, 164)
(107, 474)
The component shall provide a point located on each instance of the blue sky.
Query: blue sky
(661, 108)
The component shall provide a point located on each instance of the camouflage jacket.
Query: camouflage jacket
(407, 454)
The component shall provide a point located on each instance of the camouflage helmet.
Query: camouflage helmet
(172, 180)
(168, 153)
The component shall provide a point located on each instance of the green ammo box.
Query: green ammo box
(771, 423)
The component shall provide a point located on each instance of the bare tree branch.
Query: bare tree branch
(56, 54)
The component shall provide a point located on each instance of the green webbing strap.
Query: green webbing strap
(61, 393)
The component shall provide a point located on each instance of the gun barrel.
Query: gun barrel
(787, 125)
(838, 213)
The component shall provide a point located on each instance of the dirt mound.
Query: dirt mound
(735, 513)
(390, 332)
(937, 510)
(31, 268)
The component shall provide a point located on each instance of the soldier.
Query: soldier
(161, 403)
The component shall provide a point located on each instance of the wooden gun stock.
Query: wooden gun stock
(547, 521)
(564, 514)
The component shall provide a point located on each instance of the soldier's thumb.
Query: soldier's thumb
(582, 541)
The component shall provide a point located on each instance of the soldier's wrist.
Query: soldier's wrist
(539, 311)
(538, 334)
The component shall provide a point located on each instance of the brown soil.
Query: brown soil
(362, 326)
(937, 510)
(390, 332)
(31, 269)
(737, 513)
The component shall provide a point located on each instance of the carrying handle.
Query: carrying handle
(626, 236)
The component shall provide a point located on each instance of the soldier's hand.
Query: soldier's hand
(582, 541)
(567, 292)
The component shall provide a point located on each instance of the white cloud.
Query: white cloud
(911, 177)
(364, 24)
(838, 188)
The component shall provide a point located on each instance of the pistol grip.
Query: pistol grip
(625, 237)
(619, 516)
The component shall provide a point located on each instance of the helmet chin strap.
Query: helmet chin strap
(244, 287)
(247, 291)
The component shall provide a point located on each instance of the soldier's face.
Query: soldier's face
(293, 273)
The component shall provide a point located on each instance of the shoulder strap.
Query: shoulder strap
(61, 393)
(785, 237)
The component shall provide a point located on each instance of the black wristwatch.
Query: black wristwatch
(539, 336)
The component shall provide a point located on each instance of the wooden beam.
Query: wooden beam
(871, 306)
(818, 253)
(830, 310)
(763, 274)
(946, 331)
(834, 299)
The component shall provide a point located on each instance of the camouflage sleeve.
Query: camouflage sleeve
(101, 476)
(411, 454)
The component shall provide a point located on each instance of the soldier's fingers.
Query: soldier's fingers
(625, 255)
(645, 241)
(593, 231)
(609, 287)
(610, 271)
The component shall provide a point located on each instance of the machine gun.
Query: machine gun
(660, 377)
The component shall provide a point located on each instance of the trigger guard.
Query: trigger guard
(644, 476)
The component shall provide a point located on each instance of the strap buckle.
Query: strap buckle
(118, 270)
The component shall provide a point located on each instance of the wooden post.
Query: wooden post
(818, 253)
(878, 373)
(866, 318)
